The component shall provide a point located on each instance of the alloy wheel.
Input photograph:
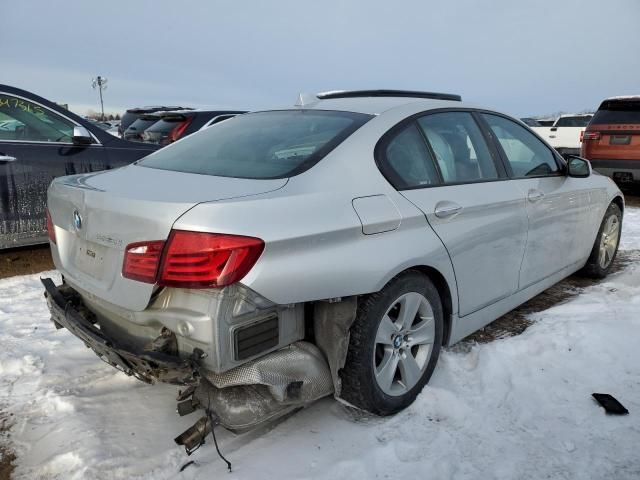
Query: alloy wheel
(404, 343)
(609, 241)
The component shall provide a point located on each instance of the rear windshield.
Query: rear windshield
(578, 121)
(618, 111)
(166, 124)
(128, 119)
(261, 145)
(141, 124)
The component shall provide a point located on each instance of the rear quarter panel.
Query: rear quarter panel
(315, 247)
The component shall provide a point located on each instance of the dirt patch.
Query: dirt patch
(516, 321)
(632, 200)
(22, 261)
(7, 457)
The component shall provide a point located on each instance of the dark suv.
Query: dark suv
(612, 139)
(172, 126)
(39, 141)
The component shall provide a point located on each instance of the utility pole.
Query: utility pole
(101, 84)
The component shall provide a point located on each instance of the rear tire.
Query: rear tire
(394, 345)
(605, 247)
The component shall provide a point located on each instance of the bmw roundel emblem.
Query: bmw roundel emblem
(77, 220)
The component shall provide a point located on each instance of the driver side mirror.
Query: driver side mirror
(578, 167)
(81, 136)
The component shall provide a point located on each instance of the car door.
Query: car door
(477, 213)
(558, 206)
(35, 148)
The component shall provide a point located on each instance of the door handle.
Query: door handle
(446, 209)
(535, 195)
(7, 158)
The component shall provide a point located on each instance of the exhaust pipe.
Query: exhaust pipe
(193, 437)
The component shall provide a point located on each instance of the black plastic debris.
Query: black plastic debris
(610, 404)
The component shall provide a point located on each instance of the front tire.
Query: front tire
(394, 345)
(605, 247)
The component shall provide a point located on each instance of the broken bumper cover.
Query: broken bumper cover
(147, 366)
(240, 399)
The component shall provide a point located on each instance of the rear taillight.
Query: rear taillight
(207, 260)
(179, 129)
(590, 136)
(192, 259)
(141, 261)
(51, 230)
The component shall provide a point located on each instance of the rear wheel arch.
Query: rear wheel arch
(444, 292)
(619, 201)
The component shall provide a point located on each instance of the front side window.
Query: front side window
(275, 144)
(457, 142)
(407, 162)
(526, 154)
(22, 120)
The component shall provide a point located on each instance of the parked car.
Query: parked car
(39, 141)
(565, 133)
(103, 125)
(531, 122)
(132, 114)
(545, 122)
(335, 247)
(612, 139)
(172, 126)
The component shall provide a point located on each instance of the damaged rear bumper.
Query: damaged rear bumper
(148, 366)
(240, 399)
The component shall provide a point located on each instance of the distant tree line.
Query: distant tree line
(107, 116)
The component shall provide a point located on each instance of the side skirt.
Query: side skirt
(462, 327)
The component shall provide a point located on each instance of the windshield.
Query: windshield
(263, 145)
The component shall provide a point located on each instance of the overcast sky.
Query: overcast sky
(521, 57)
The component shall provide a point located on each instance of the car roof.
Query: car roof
(624, 97)
(565, 115)
(378, 105)
(201, 110)
(375, 102)
(153, 109)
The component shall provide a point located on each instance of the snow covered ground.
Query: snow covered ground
(515, 408)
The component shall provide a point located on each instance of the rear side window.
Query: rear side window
(261, 145)
(526, 154)
(617, 111)
(407, 162)
(459, 147)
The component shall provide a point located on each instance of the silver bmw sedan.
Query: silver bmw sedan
(329, 248)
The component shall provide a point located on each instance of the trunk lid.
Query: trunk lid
(97, 215)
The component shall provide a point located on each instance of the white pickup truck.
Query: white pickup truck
(565, 133)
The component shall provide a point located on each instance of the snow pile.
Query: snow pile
(514, 408)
